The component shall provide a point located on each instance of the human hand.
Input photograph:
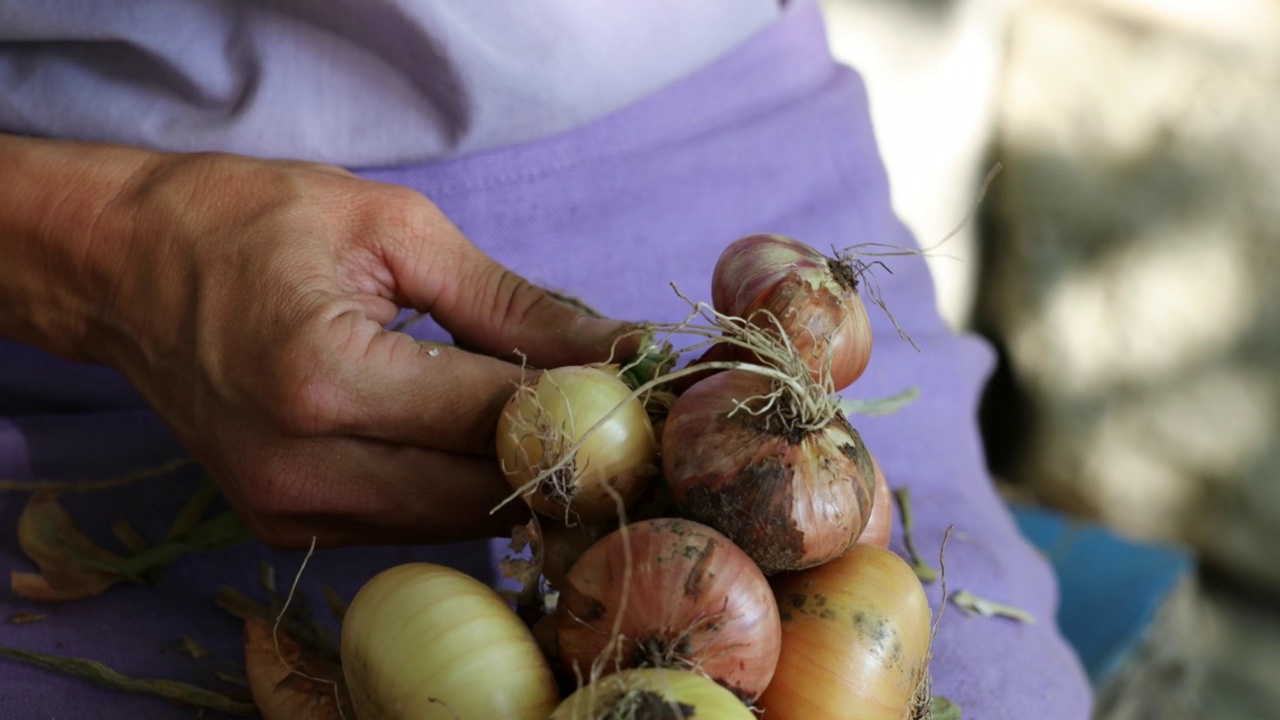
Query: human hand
(246, 299)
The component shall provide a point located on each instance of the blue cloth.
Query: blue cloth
(1112, 587)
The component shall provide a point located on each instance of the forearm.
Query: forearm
(60, 240)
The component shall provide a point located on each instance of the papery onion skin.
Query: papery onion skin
(695, 601)
(271, 658)
(418, 638)
(813, 297)
(855, 640)
(560, 407)
(791, 500)
(655, 694)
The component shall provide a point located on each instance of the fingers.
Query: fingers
(342, 374)
(493, 310)
(378, 438)
(433, 396)
(348, 491)
(352, 378)
(501, 313)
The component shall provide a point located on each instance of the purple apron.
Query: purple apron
(774, 137)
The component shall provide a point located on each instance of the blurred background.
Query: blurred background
(1124, 265)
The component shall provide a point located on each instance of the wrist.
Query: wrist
(64, 239)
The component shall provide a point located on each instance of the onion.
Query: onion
(879, 527)
(563, 545)
(855, 640)
(418, 638)
(814, 299)
(574, 442)
(652, 694)
(792, 495)
(669, 593)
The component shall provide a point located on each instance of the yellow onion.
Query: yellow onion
(814, 299)
(424, 641)
(582, 425)
(669, 593)
(790, 497)
(652, 694)
(855, 640)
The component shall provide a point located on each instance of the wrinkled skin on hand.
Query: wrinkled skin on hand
(246, 301)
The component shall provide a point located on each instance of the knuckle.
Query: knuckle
(408, 227)
(308, 407)
(401, 212)
(304, 395)
(515, 301)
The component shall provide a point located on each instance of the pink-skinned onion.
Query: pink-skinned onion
(879, 527)
(814, 299)
(669, 593)
(790, 497)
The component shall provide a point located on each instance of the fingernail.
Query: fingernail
(607, 334)
(598, 329)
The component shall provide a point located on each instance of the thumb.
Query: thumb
(490, 309)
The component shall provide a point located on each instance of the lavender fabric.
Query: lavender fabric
(773, 137)
(381, 81)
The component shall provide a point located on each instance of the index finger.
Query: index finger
(492, 309)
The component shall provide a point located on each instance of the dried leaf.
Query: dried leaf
(129, 537)
(944, 709)
(216, 533)
(192, 647)
(84, 486)
(336, 604)
(193, 510)
(267, 578)
(975, 605)
(71, 565)
(169, 689)
(302, 630)
(23, 618)
(521, 570)
(922, 569)
(231, 678)
(289, 680)
(526, 539)
(880, 406)
(235, 603)
(526, 536)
